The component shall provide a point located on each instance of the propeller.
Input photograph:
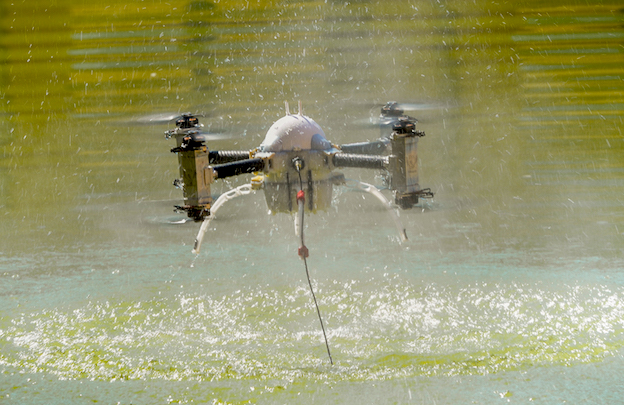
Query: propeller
(184, 120)
(414, 106)
(404, 106)
(385, 114)
(156, 119)
(163, 118)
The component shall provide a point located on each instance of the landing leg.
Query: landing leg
(236, 192)
(369, 188)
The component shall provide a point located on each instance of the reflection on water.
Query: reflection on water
(512, 271)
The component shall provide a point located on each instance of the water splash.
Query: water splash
(380, 330)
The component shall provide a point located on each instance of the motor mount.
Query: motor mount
(403, 174)
(193, 160)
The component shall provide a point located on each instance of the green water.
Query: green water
(509, 290)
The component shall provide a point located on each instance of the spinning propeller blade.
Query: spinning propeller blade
(167, 118)
(163, 118)
(385, 113)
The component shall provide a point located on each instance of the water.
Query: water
(509, 289)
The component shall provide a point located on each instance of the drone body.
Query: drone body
(296, 155)
(290, 138)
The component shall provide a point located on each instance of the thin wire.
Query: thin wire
(318, 311)
(305, 262)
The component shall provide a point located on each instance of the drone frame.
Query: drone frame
(396, 154)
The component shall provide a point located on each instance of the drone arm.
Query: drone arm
(359, 160)
(217, 157)
(366, 148)
(239, 167)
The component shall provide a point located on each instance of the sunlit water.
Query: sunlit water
(509, 290)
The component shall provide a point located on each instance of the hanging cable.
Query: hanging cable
(303, 250)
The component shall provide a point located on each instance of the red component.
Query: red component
(303, 251)
(300, 196)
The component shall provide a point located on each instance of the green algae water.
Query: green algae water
(510, 288)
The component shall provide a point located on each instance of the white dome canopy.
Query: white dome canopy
(294, 132)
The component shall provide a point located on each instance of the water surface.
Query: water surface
(509, 289)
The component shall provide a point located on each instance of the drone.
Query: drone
(297, 167)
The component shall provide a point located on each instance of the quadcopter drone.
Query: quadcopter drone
(297, 167)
